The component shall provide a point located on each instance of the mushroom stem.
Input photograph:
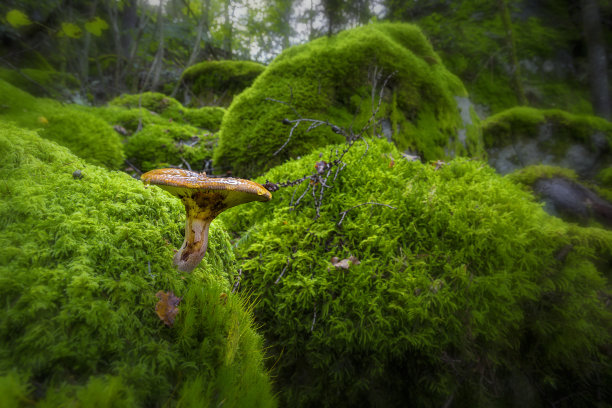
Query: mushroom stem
(194, 246)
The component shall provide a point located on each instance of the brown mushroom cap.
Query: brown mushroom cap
(183, 183)
(204, 198)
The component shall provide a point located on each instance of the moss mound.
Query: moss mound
(86, 135)
(338, 79)
(157, 146)
(81, 260)
(83, 133)
(523, 136)
(465, 290)
(216, 82)
(205, 118)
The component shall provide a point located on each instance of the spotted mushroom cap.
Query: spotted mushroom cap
(188, 185)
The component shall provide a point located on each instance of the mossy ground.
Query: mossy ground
(217, 82)
(81, 259)
(465, 291)
(338, 79)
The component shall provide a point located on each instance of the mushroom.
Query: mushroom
(204, 198)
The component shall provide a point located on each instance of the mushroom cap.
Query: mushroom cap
(223, 193)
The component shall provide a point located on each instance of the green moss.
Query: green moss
(130, 119)
(85, 135)
(331, 79)
(157, 146)
(461, 280)
(206, 118)
(81, 260)
(216, 82)
(21, 107)
(153, 101)
(530, 174)
(605, 177)
(524, 122)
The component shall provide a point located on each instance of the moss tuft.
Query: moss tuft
(217, 82)
(465, 278)
(85, 135)
(332, 79)
(530, 174)
(157, 146)
(81, 259)
(206, 118)
(505, 127)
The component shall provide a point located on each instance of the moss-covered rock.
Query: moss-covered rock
(82, 256)
(83, 133)
(524, 136)
(157, 146)
(465, 290)
(216, 82)
(208, 118)
(86, 135)
(565, 195)
(338, 79)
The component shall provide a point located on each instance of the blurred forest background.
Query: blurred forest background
(545, 53)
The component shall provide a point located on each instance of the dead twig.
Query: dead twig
(186, 163)
(238, 278)
(283, 271)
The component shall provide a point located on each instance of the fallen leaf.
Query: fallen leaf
(345, 263)
(166, 308)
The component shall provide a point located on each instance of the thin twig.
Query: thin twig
(133, 166)
(186, 163)
(283, 271)
(314, 318)
(359, 205)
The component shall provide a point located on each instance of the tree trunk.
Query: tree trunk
(516, 68)
(598, 64)
(156, 66)
(227, 38)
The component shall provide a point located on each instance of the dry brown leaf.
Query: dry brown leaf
(167, 308)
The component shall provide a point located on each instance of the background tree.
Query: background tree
(598, 64)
